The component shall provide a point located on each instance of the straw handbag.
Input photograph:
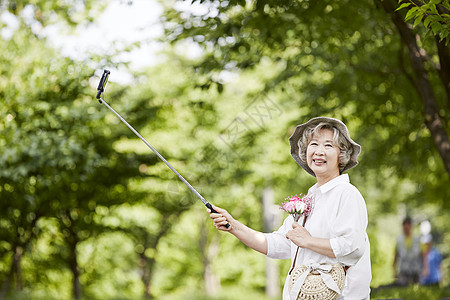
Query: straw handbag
(315, 280)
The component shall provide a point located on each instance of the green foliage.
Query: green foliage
(109, 262)
(415, 292)
(74, 179)
(58, 167)
(323, 63)
(53, 11)
(434, 14)
(351, 70)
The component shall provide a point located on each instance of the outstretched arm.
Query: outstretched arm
(252, 238)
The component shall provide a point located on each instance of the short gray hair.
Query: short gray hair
(339, 139)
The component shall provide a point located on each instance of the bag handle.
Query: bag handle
(298, 247)
(296, 253)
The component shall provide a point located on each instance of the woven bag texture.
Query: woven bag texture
(314, 288)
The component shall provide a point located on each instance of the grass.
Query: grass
(411, 293)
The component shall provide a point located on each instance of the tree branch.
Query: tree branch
(402, 66)
(444, 66)
(433, 120)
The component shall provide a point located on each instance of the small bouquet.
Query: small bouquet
(298, 206)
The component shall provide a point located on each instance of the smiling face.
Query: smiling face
(322, 156)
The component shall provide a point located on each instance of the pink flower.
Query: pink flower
(298, 206)
(294, 198)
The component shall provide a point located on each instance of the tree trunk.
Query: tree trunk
(73, 264)
(16, 268)
(444, 59)
(147, 265)
(209, 251)
(433, 120)
(212, 281)
(444, 67)
(271, 221)
(15, 271)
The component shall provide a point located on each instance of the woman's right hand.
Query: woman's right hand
(254, 239)
(221, 218)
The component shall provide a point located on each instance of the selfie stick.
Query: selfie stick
(100, 90)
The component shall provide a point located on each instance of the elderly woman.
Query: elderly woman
(335, 231)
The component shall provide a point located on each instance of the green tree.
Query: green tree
(325, 63)
(329, 59)
(57, 161)
(49, 12)
(88, 206)
(420, 54)
(434, 14)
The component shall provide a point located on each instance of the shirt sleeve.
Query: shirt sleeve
(349, 237)
(278, 246)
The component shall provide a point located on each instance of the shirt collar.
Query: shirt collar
(331, 184)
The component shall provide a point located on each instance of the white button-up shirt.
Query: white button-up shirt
(340, 215)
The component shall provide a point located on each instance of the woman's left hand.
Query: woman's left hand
(299, 235)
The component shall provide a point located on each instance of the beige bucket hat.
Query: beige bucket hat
(298, 134)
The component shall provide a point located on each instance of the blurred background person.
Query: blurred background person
(408, 259)
(432, 258)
